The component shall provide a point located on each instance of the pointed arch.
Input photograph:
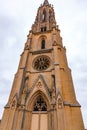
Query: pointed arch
(30, 104)
(39, 88)
(45, 85)
(38, 106)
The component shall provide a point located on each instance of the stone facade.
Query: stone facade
(42, 95)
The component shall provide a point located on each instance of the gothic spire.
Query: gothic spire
(46, 2)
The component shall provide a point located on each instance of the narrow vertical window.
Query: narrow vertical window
(43, 44)
(44, 16)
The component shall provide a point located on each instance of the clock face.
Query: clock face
(41, 63)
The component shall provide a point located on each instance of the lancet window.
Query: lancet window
(43, 44)
(44, 16)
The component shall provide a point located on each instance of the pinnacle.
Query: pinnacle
(46, 2)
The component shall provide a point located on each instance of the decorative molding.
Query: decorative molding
(60, 100)
(48, 70)
(41, 51)
(45, 85)
(76, 104)
(56, 63)
(55, 43)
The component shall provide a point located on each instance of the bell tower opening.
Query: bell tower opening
(43, 29)
(44, 16)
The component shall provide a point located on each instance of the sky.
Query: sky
(16, 19)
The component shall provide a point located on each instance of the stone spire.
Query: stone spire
(45, 19)
(46, 2)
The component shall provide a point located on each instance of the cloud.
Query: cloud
(16, 18)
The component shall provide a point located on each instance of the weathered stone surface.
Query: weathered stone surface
(43, 96)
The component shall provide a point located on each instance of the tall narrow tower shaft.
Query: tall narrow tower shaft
(42, 95)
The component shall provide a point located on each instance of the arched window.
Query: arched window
(39, 120)
(40, 104)
(43, 44)
(44, 16)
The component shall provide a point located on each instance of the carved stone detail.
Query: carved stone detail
(41, 63)
(39, 85)
(40, 104)
(60, 101)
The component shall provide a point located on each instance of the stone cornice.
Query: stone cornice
(42, 51)
(76, 104)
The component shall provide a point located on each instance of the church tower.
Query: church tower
(42, 95)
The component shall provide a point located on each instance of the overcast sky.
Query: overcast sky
(16, 18)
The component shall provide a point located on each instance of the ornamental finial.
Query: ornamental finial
(46, 2)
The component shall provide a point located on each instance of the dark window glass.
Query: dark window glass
(43, 29)
(43, 44)
(40, 104)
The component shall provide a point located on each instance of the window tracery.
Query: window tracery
(40, 104)
(41, 63)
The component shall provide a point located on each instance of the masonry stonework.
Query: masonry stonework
(42, 95)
